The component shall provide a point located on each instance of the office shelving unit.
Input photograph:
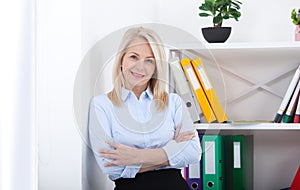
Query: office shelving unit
(251, 80)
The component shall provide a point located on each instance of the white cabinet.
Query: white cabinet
(251, 80)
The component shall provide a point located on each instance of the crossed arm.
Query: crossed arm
(149, 158)
(119, 160)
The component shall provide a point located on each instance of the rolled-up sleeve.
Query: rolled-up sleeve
(183, 153)
(99, 126)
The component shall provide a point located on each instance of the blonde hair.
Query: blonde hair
(157, 83)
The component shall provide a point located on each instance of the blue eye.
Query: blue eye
(150, 60)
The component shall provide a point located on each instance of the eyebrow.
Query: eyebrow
(150, 56)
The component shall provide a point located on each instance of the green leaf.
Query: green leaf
(235, 1)
(298, 20)
(220, 3)
(226, 16)
(236, 15)
(210, 6)
(209, 1)
(236, 6)
(203, 7)
(217, 20)
(239, 2)
(204, 14)
(207, 7)
(233, 10)
(293, 14)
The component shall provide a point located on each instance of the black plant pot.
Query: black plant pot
(216, 34)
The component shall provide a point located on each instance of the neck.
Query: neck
(138, 91)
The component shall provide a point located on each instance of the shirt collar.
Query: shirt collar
(125, 93)
(148, 93)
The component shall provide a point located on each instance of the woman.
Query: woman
(141, 135)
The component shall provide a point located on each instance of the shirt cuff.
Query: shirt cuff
(172, 149)
(130, 171)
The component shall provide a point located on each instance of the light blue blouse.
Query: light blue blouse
(138, 124)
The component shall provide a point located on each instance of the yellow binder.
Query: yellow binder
(194, 83)
(209, 90)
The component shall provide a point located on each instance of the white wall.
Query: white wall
(17, 115)
(261, 20)
(58, 58)
(68, 29)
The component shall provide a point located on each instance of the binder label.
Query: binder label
(193, 78)
(236, 155)
(210, 157)
(179, 77)
(203, 75)
(194, 170)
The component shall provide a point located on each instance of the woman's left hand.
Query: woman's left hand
(121, 154)
(183, 136)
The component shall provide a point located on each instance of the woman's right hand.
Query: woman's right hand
(185, 136)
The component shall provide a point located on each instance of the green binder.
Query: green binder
(213, 162)
(239, 162)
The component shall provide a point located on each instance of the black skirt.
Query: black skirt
(154, 180)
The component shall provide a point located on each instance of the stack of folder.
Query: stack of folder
(227, 163)
(203, 90)
(289, 109)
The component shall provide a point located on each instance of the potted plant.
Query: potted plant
(219, 10)
(295, 16)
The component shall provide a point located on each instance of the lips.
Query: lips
(137, 75)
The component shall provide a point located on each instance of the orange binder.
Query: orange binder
(209, 90)
(200, 95)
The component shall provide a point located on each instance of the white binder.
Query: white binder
(181, 86)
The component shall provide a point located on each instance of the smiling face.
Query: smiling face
(138, 65)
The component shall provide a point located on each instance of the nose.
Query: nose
(140, 64)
